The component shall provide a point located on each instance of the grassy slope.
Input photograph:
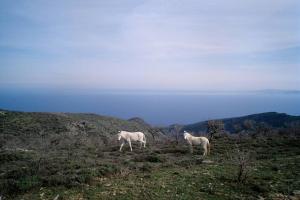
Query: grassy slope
(73, 162)
(170, 172)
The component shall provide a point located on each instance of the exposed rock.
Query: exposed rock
(207, 161)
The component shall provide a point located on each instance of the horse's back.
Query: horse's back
(140, 135)
(134, 135)
(199, 140)
(204, 139)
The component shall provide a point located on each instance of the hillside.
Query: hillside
(272, 119)
(76, 156)
(27, 129)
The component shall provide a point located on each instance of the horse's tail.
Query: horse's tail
(144, 138)
(208, 148)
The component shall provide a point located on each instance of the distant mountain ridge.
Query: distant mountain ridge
(36, 129)
(139, 121)
(272, 119)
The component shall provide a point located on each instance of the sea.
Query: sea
(156, 108)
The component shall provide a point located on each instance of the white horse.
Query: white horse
(203, 141)
(131, 136)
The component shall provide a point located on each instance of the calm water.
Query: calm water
(158, 109)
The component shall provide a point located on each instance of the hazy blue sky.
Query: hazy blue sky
(155, 44)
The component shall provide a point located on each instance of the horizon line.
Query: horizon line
(74, 90)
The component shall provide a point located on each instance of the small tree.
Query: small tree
(2, 117)
(250, 127)
(238, 129)
(244, 162)
(249, 124)
(155, 133)
(256, 128)
(176, 131)
(213, 127)
(263, 129)
(292, 128)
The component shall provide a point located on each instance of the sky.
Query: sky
(150, 44)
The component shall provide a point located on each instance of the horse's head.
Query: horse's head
(119, 135)
(185, 134)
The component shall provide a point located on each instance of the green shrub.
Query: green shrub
(28, 182)
(108, 169)
(8, 156)
(148, 158)
(14, 185)
(259, 187)
(146, 167)
(173, 150)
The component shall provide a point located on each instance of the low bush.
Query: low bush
(108, 169)
(146, 167)
(148, 158)
(173, 150)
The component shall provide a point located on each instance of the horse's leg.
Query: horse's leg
(122, 146)
(141, 142)
(208, 149)
(205, 150)
(144, 140)
(129, 141)
(191, 148)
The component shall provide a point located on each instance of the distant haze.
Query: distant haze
(152, 45)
